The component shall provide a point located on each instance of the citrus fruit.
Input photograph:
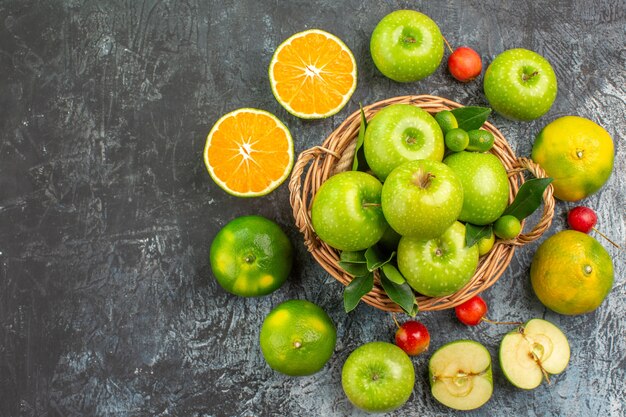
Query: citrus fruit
(456, 140)
(507, 227)
(249, 152)
(446, 121)
(577, 153)
(480, 140)
(251, 256)
(297, 338)
(486, 243)
(571, 273)
(313, 74)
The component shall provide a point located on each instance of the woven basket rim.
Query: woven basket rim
(315, 165)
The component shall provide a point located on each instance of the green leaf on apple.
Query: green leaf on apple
(471, 117)
(376, 258)
(528, 198)
(393, 274)
(358, 287)
(401, 294)
(359, 163)
(474, 233)
(354, 257)
(357, 270)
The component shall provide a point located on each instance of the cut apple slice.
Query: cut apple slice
(532, 351)
(460, 375)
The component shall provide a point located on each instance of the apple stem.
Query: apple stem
(526, 77)
(604, 236)
(446, 41)
(514, 323)
(423, 179)
(393, 316)
(370, 204)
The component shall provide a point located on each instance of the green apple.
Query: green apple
(346, 211)
(532, 351)
(439, 266)
(422, 198)
(485, 186)
(460, 375)
(378, 377)
(520, 84)
(406, 46)
(400, 133)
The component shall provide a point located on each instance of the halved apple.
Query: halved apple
(460, 375)
(531, 352)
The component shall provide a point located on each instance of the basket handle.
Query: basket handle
(545, 221)
(297, 197)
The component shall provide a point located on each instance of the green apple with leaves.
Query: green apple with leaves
(378, 377)
(520, 84)
(346, 211)
(406, 46)
(401, 133)
(485, 186)
(422, 198)
(440, 266)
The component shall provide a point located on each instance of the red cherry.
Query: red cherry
(472, 311)
(582, 218)
(465, 64)
(412, 337)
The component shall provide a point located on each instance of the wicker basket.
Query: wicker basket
(335, 155)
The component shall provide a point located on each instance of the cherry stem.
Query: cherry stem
(604, 236)
(515, 323)
(446, 41)
(393, 315)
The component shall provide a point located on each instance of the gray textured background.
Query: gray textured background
(107, 303)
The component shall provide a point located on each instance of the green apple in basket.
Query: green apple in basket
(485, 186)
(422, 198)
(400, 133)
(440, 266)
(346, 211)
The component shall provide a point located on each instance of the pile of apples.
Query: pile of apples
(424, 178)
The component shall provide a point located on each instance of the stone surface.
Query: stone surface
(107, 302)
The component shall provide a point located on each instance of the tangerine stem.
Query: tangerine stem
(604, 236)
(515, 323)
(446, 41)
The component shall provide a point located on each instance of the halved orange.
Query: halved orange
(249, 152)
(313, 74)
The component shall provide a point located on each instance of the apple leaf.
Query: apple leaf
(471, 117)
(375, 258)
(528, 198)
(474, 233)
(358, 287)
(354, 257)
(359, 163)
(393, 274)
(357, 270)
(400, 294)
